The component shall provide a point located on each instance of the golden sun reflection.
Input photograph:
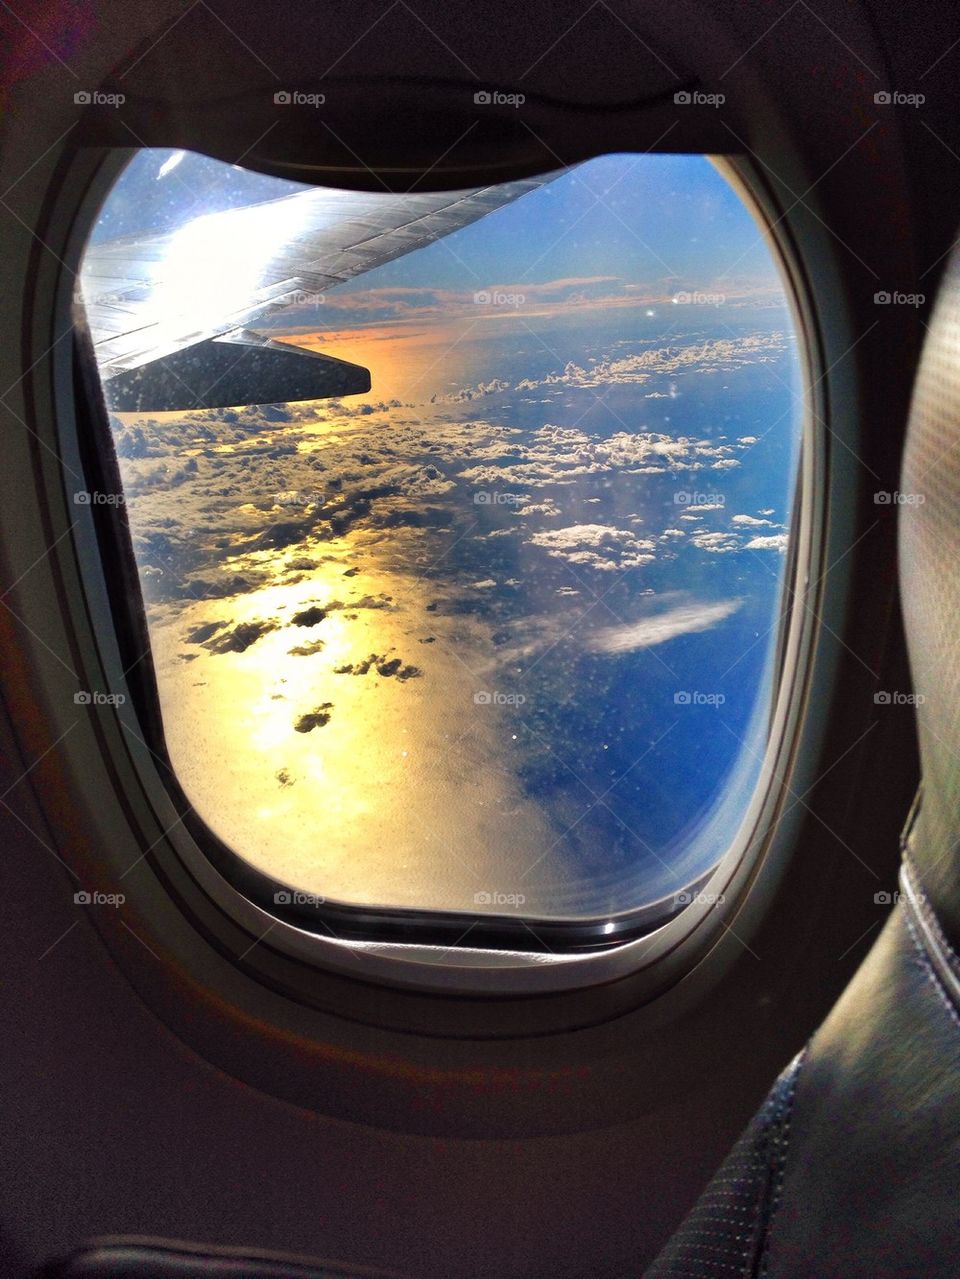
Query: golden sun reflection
(342, 750)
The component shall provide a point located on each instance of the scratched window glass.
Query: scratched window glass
(461, 520)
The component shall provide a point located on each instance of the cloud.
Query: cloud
(543, 631)
(357, 310)
(240, 638)
(564, 454)
(649, 631)
(262, 492)
(549, 508)
(317, 718)
(596, 546)
(717, 543)
(384, 665)
(467, 393)
(773, 542)
(721, 355)
(307, 650)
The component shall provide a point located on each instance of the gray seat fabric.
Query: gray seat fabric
(727, 1231)
(930, 583)
(851, 1170)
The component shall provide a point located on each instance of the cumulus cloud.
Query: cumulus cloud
(264, 492)
(721, 355)
(597, 546)
(717, 543)
(772, 542)
(240, 638)
(548, 507)
(467, 393)
(565, 454)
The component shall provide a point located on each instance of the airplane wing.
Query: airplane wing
(157, 305)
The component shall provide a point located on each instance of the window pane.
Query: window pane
(500, 634)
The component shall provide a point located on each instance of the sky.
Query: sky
(643, 219)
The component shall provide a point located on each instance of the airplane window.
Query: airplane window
(462, 522)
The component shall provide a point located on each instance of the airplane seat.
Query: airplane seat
(852, 1166)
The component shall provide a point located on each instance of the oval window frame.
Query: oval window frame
(660, 957)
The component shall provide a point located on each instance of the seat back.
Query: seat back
(851, 1170)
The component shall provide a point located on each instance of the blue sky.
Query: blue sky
(639, 217)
